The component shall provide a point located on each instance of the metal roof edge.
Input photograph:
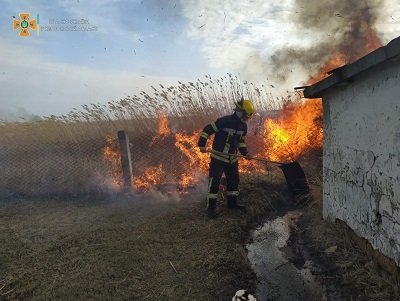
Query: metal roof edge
(346, 72)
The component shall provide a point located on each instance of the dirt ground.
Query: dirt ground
(127, 247)
(134, 248)
(343, 263)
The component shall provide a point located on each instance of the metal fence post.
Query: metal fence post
(126, 162)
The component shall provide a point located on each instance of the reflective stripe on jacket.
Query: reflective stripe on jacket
(230, 134)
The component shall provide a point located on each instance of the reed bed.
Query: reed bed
(63, 154)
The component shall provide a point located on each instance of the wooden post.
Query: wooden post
(126, 162)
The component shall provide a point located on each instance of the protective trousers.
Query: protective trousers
(231, 171)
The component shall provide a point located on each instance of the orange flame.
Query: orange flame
(112, 158)
(336, 60)
(194, 160)
(251, 166)
(163, 128)
(190, 162)
(150, 177)
(298, 129)
(197, 161)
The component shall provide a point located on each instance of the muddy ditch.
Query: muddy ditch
(298, 256)
(284, 273)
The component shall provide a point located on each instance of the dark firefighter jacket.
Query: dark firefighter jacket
(229, 137)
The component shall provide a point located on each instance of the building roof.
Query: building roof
(347, 72)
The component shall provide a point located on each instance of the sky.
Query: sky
(135, 44)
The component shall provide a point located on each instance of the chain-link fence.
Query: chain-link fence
(42, 159)
(84, 158)
(169, 159)
(56, 158)
(79, 152)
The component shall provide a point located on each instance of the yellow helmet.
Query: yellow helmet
(246, 106)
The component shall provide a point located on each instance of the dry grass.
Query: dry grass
(63, 154)
(353, 266)
(128, 249)
(191, 101)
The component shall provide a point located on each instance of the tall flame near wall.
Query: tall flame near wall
(299, 126)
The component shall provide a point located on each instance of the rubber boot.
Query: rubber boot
(232, 204)
(211, 209)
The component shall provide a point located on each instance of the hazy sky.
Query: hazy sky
(143, 42)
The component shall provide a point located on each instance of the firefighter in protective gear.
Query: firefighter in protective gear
(230, 132)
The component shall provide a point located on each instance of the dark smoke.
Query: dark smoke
(342, 26)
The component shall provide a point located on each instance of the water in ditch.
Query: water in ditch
(281, 278)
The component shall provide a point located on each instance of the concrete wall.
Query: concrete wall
(362, 156)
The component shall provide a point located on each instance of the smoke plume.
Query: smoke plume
(341, 28)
